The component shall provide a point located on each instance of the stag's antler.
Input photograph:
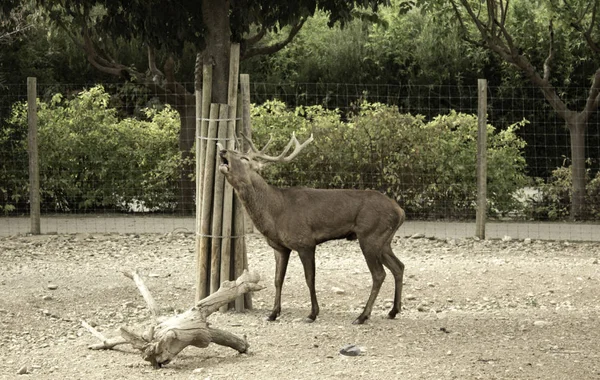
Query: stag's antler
(260, 154)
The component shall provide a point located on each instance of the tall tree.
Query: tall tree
(488, 24)
(167, 28)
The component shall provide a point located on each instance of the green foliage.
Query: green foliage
(161, 24)
(552, 198)
(318, 54)
(90, 159)
(397, 47)
(410, 46)
(428, 167)
(13, 168)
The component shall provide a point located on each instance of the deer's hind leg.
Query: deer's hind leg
(307, 256)
(372, 256)
(397, 268)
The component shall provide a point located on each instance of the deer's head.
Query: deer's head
(239, 168)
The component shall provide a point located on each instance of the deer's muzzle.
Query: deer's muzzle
(224, 166)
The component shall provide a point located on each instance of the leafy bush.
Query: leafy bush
(429, 168)
(14, 185)
(89, 159)
(553, 197)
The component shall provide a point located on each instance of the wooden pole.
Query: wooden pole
(226, 247)
(246, 128)
(207, 71)
(243, 223)
(481, 159)
(219, 187)
(207, 199)
(202, 133)
(199, 163)
(34, 168)
(245, 90)
(239, 227)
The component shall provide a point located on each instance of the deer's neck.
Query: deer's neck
(261, 201)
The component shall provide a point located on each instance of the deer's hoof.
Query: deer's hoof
(309, 319)
(271, 317)
(392, 314)
(360, 320)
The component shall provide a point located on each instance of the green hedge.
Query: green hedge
(552, 198)
(428, 167)
(90, 159)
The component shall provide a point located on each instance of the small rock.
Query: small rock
(450, 300)
(422, 308)
(418, 236)
(52, 286)
(198, 370)
(595, 261)
(411, 297)
(337, 290)
(431, 284)
(350, 350)
(541, 323)
(47, 298)
(153, 275)
(506, 238)
(23, 370)
(527, 241)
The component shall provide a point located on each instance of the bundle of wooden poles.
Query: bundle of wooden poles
(220, 245)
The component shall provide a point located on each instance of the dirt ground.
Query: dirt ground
(472, 310)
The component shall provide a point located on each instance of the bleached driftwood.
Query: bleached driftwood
(168, 336)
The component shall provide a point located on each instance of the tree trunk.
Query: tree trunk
(218, 45)
(216, 53)
(577, 129)
(186, 187)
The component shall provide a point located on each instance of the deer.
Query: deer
(298, 219)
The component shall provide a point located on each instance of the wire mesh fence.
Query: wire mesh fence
(111, 161)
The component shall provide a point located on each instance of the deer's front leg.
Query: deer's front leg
(282, 257)
(307, 256)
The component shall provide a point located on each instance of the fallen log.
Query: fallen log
(167, 336)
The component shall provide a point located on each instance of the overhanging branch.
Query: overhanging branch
(251, 41)
(157, 75)
(548, 61)
(275, 47)
(503, 45)
(593, 101)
